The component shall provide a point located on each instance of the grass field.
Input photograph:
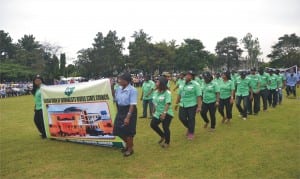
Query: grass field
(265, 146)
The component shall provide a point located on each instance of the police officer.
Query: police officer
(210, 100)
(189, 100)
(125, 122)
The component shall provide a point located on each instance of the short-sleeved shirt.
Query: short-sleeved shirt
(218, 80)
(234, 77)
(264, 81)
(254, 82)
(210, 91)
(280, 79)
(189, 94)
(160, 99)
(273, 82)
(291, 80)
(242, 86)
(126, 96)
(146, 88)
(180, 82)
(226, 87)
(38, 99)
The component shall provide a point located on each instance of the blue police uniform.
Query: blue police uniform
(124, 98)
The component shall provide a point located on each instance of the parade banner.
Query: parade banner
(80, 112)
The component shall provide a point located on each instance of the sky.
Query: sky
(73, 24)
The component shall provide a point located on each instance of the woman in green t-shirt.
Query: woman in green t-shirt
(163, 112)
(38, 113)
(210, 100)
(226, 96)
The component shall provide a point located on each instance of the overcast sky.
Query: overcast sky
(73, 24)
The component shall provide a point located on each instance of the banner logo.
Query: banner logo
(69, 91)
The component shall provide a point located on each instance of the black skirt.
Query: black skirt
(119, 128)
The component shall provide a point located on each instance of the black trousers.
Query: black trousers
(166, 127)
(187, 117)
(225, 103)
(291, 89)
(264, 96)
(253, 105)
(39, 122)
(272, 98)
(211, 107)
(243, 111)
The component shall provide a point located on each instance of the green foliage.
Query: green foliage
(62, 65)
(104, 58)
(191, 55)
(7, 48)
(228, 52)
(14, 72)
(253, 49)
(286, 52)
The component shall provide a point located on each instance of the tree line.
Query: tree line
(106, 57)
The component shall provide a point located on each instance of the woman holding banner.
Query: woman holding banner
(38, 113)
(125, 122)
(163, 112)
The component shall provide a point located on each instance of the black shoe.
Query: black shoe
(123, 150)
(128, 153)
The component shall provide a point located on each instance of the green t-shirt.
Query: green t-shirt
(280, 79)
(234, 77)
(273, 82)
(242, 86)
(264, 81)
(116, 86)
(218, 80)
(160, 100)
(226, 88)
(38, 99)
(209, 92)
(200, 81)
(180, 82)
(254, 82)
(189, 94)
(146, 88)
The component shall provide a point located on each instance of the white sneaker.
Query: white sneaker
(244, 118)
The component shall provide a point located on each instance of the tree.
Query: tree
(191, 55)
(253, 48)
(62, 66)
(140, 51)
(28, 43)
(286, 52)
(7, 48)
(229, 52)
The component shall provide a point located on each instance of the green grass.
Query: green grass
(265, 146)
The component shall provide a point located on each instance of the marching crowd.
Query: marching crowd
(205, 94)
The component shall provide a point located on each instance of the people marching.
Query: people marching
(203, 94)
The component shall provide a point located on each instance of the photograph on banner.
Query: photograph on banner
(84, 120)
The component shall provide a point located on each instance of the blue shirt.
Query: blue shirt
(126, 96)
(291, 80)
